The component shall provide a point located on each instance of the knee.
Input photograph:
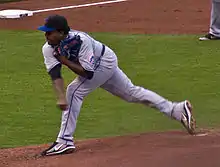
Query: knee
(72, 91)
(132, 94)
(129, 99)
(70, 88)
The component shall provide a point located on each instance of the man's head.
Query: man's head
(56, 28)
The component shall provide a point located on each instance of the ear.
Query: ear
(62, 33)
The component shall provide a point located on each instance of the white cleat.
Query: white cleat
(58, 148)
(208, 37)
(204, 39)
(187, 118)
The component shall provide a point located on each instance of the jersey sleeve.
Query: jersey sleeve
(49, 60)
(86, 55)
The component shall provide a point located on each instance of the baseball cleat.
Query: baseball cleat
(209, 37)
(187, 118)
(58, 148)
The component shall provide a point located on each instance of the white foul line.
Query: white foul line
(79, 6)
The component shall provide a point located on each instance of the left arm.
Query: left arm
(75, 67)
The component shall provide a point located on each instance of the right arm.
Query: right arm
(54, 70)
(58, 86)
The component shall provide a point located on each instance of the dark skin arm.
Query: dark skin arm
(58, 85)
(75, 67)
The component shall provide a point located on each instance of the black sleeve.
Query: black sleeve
(89, 74)
(55, 72)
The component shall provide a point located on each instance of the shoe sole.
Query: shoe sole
(204, 39)
(67, 150)
(189, 123)
(208, 39)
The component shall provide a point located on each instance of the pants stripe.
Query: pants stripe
(71, 106)
(69, 110)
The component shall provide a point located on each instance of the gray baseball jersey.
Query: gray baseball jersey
(95, 56)
(88, 56)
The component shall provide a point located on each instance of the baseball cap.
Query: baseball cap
(55, 22)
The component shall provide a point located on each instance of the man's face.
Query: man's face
(53, 37)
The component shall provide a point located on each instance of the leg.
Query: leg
(120, 85)
(76, 91)
(215, 19)
(214, 30)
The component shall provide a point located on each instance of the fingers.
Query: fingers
(63, 107)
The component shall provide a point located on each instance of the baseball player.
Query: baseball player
(214, 31)
(97, 66)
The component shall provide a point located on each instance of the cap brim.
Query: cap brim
(45, 29)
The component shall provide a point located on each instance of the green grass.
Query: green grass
(177, 67)
(6, 1)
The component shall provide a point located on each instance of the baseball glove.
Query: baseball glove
(69, 47)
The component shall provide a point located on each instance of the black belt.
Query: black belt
(99, 60)
(103, 50)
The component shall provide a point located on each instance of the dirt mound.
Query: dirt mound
(167, 149)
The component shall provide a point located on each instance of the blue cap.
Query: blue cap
(46, 29)
(55, 22)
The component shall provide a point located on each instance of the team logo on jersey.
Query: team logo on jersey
(92, 59)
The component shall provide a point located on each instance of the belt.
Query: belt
(103, 50)
(99, 59)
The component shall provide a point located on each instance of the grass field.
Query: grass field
(177, 67)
